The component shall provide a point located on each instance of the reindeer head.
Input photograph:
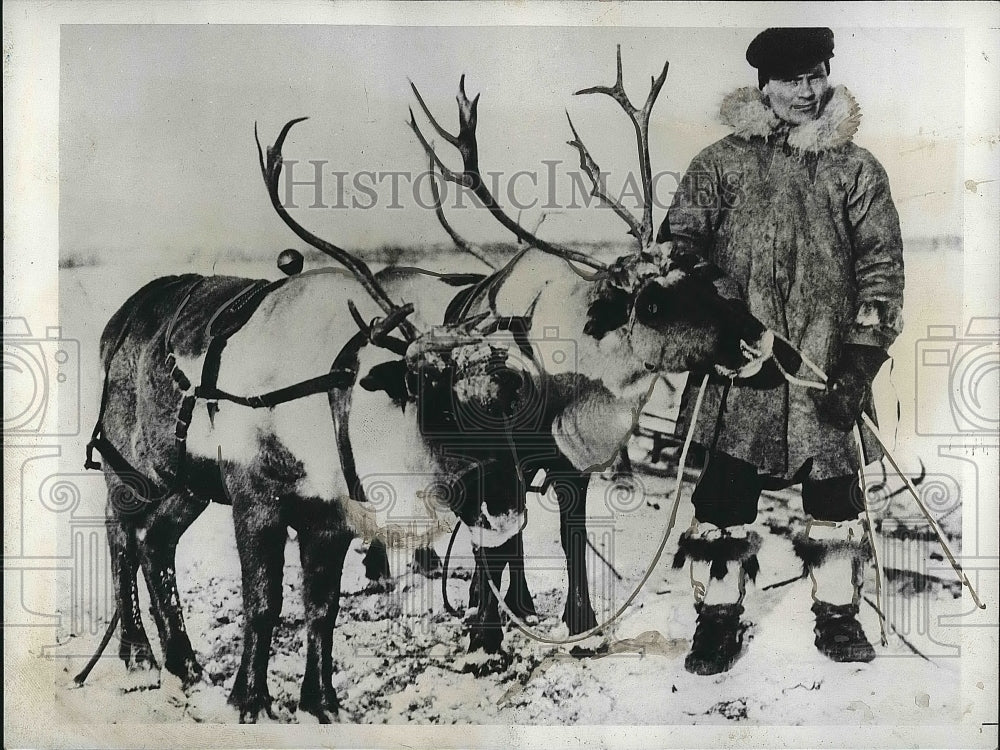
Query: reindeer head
(661, 307)
(667, 315)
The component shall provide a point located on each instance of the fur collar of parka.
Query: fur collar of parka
(749, 114)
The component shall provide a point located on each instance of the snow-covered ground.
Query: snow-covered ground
(400, 657)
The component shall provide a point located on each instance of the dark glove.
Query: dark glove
(851, 378)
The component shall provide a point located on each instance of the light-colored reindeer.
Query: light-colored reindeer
(304, 406)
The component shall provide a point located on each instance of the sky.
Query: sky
(157, 156)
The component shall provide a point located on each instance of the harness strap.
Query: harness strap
(463, 302)
(140, 485)
(340, 410)
(169, 333)
(225, 321)
(519, 327)
(451, 279)
(97, 439)
(181, 430)
(228, 319)
(336, 378)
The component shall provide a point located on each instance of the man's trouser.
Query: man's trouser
(729, 490)
(833, 546)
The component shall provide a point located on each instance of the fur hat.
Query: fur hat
(782, 52)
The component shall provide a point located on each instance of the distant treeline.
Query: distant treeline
(496, 254)
(941, 242)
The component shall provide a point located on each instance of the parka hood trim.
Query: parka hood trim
(748, 113)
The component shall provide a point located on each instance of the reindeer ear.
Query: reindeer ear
(664, 234)
(389, 377)
(693, 264)
(607, 312)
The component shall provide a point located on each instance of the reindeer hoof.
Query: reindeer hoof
(483, 639)
(188, 670)
(376, 562)
(427, 562)
(249, 715)
(595, 645)
(579, 619)
(141, 675)
(324, 716)
(250, 703)
(522, 605)
(481, 664)
(324, 706)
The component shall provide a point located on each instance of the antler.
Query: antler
(271, 171)
(459, 241)
(378, 329)
(470, 176)
(640, 120)
(590, 168)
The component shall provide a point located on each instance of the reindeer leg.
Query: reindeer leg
(134, 648)
(485, 632)
(427, 562)
(260, 538)
(158, 535)
(518, 598)
(322, 553)
(571, 490)
(475, 593)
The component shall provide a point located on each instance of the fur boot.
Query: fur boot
(835, 555)
(718, 637)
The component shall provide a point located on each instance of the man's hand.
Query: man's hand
(841, 403)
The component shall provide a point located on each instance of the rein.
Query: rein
(792, 380)
(873, 428)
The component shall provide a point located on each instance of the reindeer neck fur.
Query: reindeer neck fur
(749, 114)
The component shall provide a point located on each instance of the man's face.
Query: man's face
(798, 99)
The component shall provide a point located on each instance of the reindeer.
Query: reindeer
(298, 455)
(609, 313)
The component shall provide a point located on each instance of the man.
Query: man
(802, 222)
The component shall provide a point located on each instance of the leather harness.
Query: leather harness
(229, 318)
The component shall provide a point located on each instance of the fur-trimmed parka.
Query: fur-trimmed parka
(802, 222)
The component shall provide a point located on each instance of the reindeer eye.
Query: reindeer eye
(652, 308)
